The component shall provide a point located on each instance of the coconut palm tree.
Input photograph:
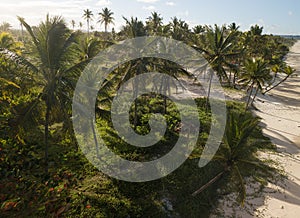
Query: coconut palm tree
(80, 25)
(7, 42)
(154, 23)
(88, 16)
(54, 65)
(255, 74)
(5, 27)
(179, 29)
(256, 30)
(237, 153)
(219, 50)
(22, 29)
(198, 29)
(106, 18)
(288, 71)
(233, 27)
(133, 28)
(88, 48)
(73, 24)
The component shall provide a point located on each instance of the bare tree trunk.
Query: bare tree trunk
(209, 183)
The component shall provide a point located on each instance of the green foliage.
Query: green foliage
(37, 80)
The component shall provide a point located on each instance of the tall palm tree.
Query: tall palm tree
(73, 24)
(256, 74)
(80, 25)
(5, 27)
(233, 27)
(179, 29)
(288, 71)
(134, 28)
(219, 50)
(7, 43)
(106, 18)
(22, 29)
(54, 64)
(198, 29)
(88, 16)
(154, 23)
(256, 30)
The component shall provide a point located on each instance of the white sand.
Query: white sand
(280, 113)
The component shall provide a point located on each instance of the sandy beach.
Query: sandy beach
(280, 113)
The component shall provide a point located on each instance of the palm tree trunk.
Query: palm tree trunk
(209, 183)
(254, 96)
(135, 92)
(276, 84)
(46, 135)
(234, 79)
(209, 89)
(22, 32)
(249, 97)
(88, 28)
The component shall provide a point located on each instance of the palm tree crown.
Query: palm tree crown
(106, 18)
(88, 16)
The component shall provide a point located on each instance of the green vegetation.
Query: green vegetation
(45, 174)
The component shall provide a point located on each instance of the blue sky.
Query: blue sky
(277, 16)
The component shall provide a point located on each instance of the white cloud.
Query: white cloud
(103, 3)
(148, 1)
(35, 11)
(184, 13)
(290, 13)
(261, 22)
(170, 3)
(149, 8)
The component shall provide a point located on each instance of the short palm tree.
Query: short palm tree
(287, 71)
(106, 18)
(237, 153)
(88, 16)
